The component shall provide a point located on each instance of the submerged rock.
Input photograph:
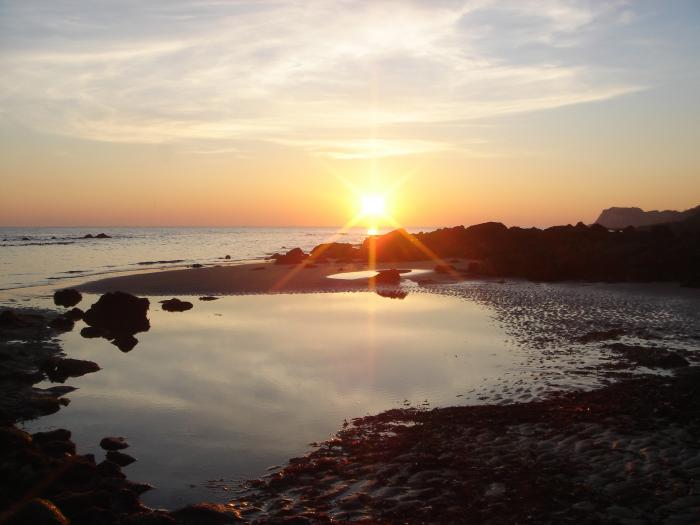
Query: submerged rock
(67, 298)
(176, 305)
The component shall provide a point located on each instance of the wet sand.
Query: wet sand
(262, 277)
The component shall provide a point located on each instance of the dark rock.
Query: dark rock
(12, 438)
(58, 448)
(125, 343)
(196, 265)
(208, 298)
(88, 236)
(62, 324)
(90, 332)
(387, 277)
(75, 503)
(335, 250)
(120, 458)
(9, 319)
(109, 469)
(75, 314)
(114, 443)
(38, 512)
(206, 514)
(102, 236)
(293, 256)
(227, 257)
(176, 305)
(60, 434)
(118, 316)
(139, 488)
(59, 369)
(67, 298)
(26, 239)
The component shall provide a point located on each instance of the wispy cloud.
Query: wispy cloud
(264, 70)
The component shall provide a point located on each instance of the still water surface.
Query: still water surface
(236, 385)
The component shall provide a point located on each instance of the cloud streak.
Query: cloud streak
(338, 79)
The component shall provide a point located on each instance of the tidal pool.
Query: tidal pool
(366, 274)
(236, 385)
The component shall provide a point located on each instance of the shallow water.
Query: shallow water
(245, 382)
(366, 274)
(36, 256)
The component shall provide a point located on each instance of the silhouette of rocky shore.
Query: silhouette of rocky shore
(668, 252)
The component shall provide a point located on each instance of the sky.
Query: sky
(285, 113)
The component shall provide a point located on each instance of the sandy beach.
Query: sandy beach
(264, 277)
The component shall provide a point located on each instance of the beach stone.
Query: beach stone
(68, 297)
(176, 305)
(39, 512)
(120, 458)
(208, 298)
(114, 443)
(75, 314)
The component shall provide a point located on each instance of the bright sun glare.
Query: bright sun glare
(373, 205)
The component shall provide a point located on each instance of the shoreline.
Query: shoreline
(256, 278)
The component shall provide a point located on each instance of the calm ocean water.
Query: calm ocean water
(36, 256)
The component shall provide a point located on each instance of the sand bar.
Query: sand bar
(262, 277)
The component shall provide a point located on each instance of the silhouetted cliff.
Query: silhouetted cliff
(618, 218)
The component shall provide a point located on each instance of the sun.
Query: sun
(373, 205)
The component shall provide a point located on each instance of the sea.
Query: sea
(41, 256)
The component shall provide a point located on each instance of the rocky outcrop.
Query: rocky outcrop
(618, 218)
(580, 252)
(67, 298)
(117, 316)
(293, 256)
(336, 250)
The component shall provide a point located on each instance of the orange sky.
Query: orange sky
(252, 113)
